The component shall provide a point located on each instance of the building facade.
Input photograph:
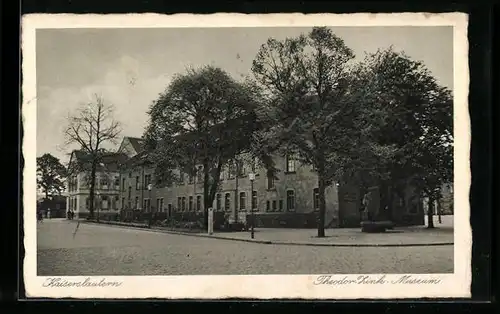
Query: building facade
(106, 190)
(291, 191)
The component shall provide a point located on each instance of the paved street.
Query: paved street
(108, 250)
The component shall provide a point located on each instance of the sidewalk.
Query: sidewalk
(353, 237)
(409, 236)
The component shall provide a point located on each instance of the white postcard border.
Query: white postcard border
(250, 286)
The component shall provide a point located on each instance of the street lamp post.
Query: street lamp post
(149, 205)
(251, 176)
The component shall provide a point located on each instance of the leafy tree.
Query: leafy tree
(204, 118)
(91, 127)
(50, 175)
(307, 105)
(406, 127)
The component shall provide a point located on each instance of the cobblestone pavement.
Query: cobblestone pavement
(107, 250)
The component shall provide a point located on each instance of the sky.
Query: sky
(129, 68)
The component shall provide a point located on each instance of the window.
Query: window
(198, 202)
(123, 202)
(231, 171)
(240, 168)
(254, 164)
(183, 204)
(190, 203)
(158, 204)
(129, 192)
(254, 200)
(87, 203)
(117, 201)
(137, 202)
(281, 206)
(104, 202)
(243, 200)
(268, 206)
(137, 182)
(227, 202)
(270, 181)
(218, 202)
(275, 207)
(169, 208)
(147, 180)
(290, 200)
(117, 181)
(316, 198)
(199, 174)
(290, 163)
(105, 183)
(160, 208)
(123, 184)
(147, 204)
(179, 203)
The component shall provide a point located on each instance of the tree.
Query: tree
(408, 126)
(308, 106)
(91, 127)
(201, 122)
(50, 175)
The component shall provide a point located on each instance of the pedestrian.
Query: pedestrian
(68, 214)
(48, 213)
(40, 216)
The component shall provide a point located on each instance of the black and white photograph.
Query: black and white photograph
(246, 156)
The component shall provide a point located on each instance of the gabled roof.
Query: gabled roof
(137, 143)
(109, 161)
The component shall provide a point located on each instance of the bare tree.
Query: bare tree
(91, 127)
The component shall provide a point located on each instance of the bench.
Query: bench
(376, 226)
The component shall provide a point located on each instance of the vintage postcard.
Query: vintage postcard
(275, 156)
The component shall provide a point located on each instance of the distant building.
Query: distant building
(56, 204)
(107, 183)
(444, 205)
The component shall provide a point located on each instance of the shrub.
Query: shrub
(283, 220)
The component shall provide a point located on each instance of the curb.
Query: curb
(158, 230)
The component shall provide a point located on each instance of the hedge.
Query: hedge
(284, 220)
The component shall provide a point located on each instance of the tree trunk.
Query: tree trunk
(207, 199)
(390, 204)
(383, 204)
(322, 203)
(439, 211)
(92, 188)
(430, 214)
